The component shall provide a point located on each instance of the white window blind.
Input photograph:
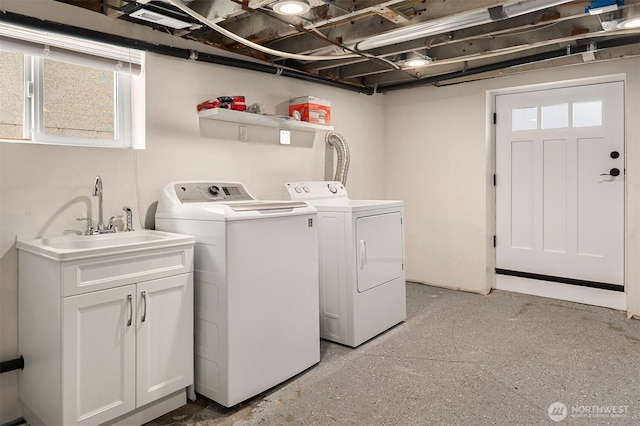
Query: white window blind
(70, 49)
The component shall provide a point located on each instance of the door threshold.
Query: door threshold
(571, 293)
(563, 280)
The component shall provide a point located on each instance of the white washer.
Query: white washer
(256, 286)
(362, 280)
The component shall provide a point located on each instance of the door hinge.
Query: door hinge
(30, 89)
(494, 179)
(494, 241)
(310, 222)
(495, 118)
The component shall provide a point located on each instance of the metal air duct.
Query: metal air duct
(338, 142)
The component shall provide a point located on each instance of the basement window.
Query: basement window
(64, 90)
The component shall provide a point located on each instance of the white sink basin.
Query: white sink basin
(68, 247)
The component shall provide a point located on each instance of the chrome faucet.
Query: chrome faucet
(100, 228)
(97, 192)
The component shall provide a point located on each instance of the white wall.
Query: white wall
(439, 160)
(44, 188)
(435, 162)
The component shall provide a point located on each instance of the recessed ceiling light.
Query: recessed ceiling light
(291, 7)
(416, 62)
(629, 24)
(413, 60)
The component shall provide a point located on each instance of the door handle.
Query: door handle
(363, 254)
(613, 172)
(144, 312)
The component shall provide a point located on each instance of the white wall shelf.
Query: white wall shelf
(282, 122)
(261, 121)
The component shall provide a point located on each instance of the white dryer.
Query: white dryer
(256, 286)
(362, 280)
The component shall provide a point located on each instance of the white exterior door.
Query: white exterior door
(560, 184)
(98, 371)
(165, 337)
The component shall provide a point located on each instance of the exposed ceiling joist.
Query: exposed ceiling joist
(478, 34)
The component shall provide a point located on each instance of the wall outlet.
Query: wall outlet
(285, 137)
(243, 134)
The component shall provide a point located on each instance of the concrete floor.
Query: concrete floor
(460, 358)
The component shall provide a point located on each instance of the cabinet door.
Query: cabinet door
(98, 353)
(165, 337)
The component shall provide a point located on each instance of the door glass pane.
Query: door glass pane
(11, 95)
(78, 101)
(524, 118)
(587, 114)
(555, 116)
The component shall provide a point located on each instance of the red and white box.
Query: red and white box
(311, 109)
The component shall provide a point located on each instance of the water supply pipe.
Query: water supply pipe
(14, 364)
(338, 142)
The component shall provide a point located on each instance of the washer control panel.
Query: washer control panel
(315, 190)
(200, 192)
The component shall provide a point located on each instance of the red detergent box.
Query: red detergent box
(311, 109)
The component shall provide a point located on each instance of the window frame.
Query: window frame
(122, 112)
(128, 91)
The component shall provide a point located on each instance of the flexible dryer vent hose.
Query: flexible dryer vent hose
(342, 149)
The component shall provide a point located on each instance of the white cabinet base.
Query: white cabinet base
(139, 416)
(101, 356)
(153, 410)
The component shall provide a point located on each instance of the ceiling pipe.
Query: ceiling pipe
(425, 29)
(456, 22)
(538, 57)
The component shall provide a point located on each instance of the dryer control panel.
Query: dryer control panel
(315, 190)
(200, 192)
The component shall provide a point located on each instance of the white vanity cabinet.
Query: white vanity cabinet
(106, 339)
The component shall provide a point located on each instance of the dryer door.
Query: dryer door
(379, 249)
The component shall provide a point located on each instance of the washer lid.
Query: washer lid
(206, 200)
(266, 206)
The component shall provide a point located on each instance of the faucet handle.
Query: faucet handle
(110, 224)
(89, 229)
